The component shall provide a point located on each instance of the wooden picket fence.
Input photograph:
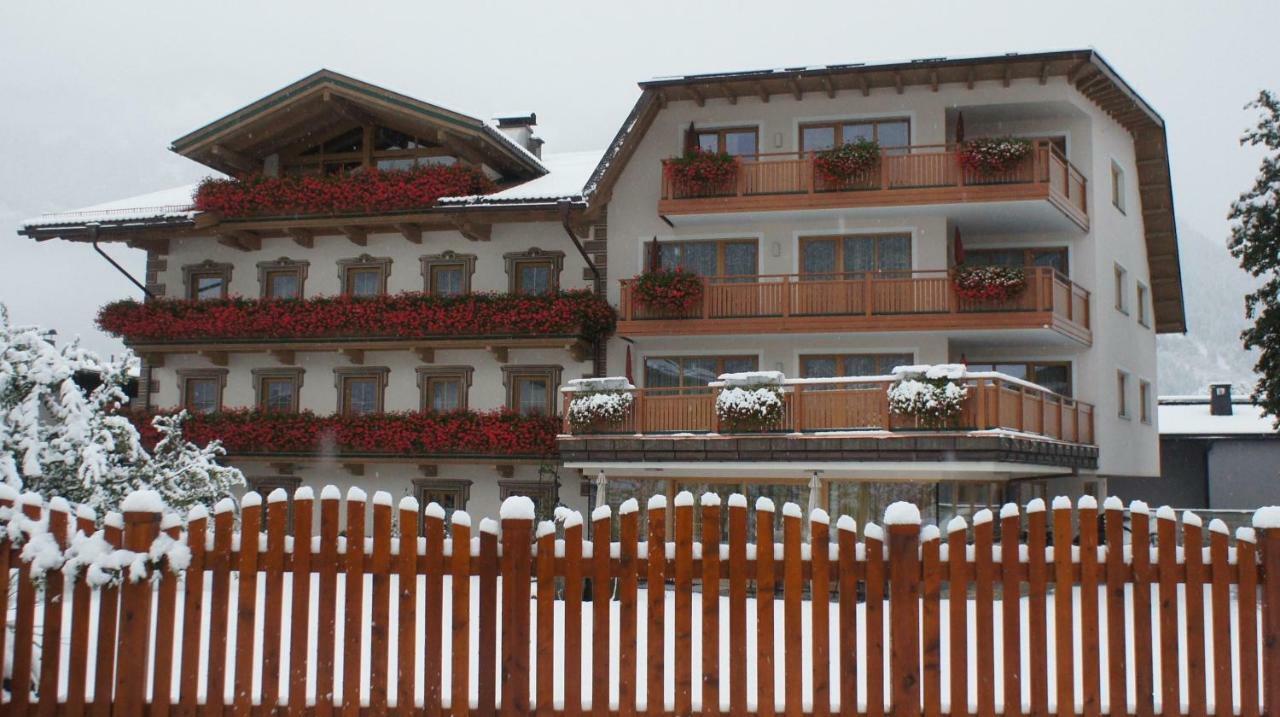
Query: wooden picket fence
(111, 650)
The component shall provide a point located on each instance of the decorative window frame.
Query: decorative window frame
(514, 259)
(448, 258)
(461, 373)
(365, 261)
(551, 372)
(217, 374)
(460, 488)
(342, 373)
(260, 395)
(284, 263)
(208, 266)
(543, 493)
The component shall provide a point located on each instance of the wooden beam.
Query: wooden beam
(579, 351)
(505, 471)
(349, 110)
(500, 353)
(972, 76)
(796, 91)
(154, 360)
(471, 230)
(235, 159)
(356, 235)
(284, 356)
(933, 79)
(283, 468)
(830, 84)
(661, 97)
(217, 358)
(760, 90)
(426, 355)
(304, 238)
(240, 240)
(1008, 74)
(866, 85)
(897, 80)
(411, 232)
(697, 96)
(729, 94)
(1044, 73)
(355, 356)
(461, 147)
(1077, 71)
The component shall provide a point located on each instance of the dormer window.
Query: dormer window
(387, 149)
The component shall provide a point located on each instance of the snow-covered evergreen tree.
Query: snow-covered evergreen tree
(1255, 241)
(56, 438)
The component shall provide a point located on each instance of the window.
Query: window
(206, 280)
(364, 275)
(531, 390)
(444, 388)
(276, 389)
(965, 498)
(1122, 289)
(892, 134)
(1117, 186)
(448, 274)
(360, 389)
(1144, 401)
(692, 371)
(265, 485)
(542, 493)
(841, 257)
(1122, 394)
(1053, 375)
(1055, 257)
(452, 495)
(282, 278)
(719, 257)
(831, 365)
(345, 152)
(534, 272)
(202, 389)
(1142, 305)
(738, 141)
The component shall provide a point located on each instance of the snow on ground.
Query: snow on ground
(781, 639)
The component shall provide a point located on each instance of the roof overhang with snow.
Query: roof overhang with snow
(326, 100)
(1086, 70)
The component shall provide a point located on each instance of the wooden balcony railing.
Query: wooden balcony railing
(918, 174)
(866, 301)
(995, 401)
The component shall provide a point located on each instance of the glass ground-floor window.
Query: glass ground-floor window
(964, 498)
(865, 501)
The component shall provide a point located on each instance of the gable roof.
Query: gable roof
(1086, 70)
(326, 97)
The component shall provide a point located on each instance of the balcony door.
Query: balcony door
(677, 397)
(834, 271)
(730, 267)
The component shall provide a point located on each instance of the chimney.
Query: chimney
(519, 128)
(1220, 399)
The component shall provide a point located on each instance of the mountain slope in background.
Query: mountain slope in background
(1213, 287)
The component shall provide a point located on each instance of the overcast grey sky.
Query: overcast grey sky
(93, 95)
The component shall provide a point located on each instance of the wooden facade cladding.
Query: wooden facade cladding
(871, 301)
(858, 404)
(907, 176)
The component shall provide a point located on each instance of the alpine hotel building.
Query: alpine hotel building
(315, 367)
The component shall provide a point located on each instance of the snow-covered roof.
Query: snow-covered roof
(172, 203)
(1189, 416)
(567, 174)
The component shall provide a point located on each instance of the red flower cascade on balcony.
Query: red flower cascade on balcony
(370, 191)
(398, 316)
(482, 433)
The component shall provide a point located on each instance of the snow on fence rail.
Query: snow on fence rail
(140, 618)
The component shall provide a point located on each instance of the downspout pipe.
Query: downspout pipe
(565, 208)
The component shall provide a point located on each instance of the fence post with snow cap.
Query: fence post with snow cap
(142, 511)
(1267, 524)
(902, 520)
(517, 514)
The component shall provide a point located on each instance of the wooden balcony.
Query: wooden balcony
(864, 302)
(860, 404)
(906, 176)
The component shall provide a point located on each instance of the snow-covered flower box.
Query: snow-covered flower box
(994, 155)
(933, 395)
(751, 401)
(599, 403)
(996, 284)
